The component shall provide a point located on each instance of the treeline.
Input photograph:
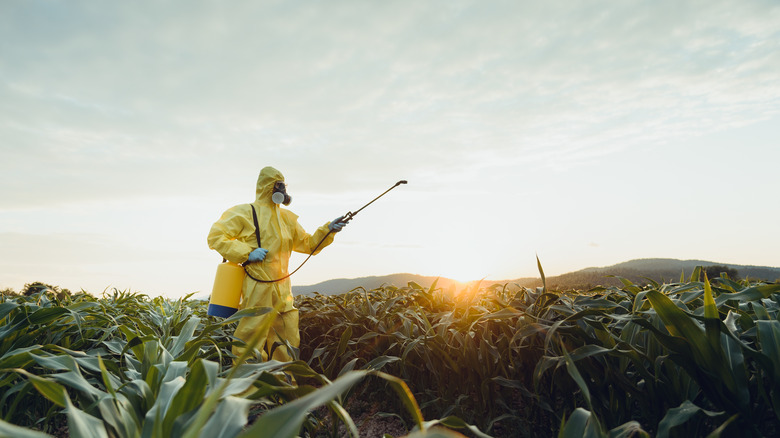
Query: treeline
(35, 287)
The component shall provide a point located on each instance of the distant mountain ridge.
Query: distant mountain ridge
(658, 269)
(659, 264)
(638, 270)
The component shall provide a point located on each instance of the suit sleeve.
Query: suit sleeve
(224, 236)
(305, 242)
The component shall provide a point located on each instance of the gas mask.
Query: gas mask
(280, 195)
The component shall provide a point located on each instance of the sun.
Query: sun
(461, 269)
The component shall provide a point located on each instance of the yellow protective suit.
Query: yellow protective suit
(233, 236)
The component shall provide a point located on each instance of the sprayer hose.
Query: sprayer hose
(296, 269)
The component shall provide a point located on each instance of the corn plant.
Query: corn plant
(129, 366)
(670, 359)
(696, 357)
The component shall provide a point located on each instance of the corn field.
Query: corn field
(686, 359)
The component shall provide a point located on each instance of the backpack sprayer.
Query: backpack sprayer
(226, 293)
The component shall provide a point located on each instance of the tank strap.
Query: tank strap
(257, 228)
(257, 235)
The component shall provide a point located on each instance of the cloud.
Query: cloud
(116, 99)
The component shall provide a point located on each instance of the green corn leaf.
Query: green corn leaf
(712, 331)
(595, 303)
(582, 423)
(626, 282)
(286, 420)
(680, 415)
(574, 425)
(345, 337)
(300, 368)
(695, 275)
(379, 362)
(188, 397)
(56, 363)
(719, 431)
(676, 344)
(154, 420)
(8, 430)
(342, 347)
(752, 293)
(228, 420)
(50, 389)
(139, 395)
(588, 350)
(175, 369)
(235, 385)
(505, 313)
(47, 315)
(760, 311)
(402, 390)
(370, 308)
(735, 364)
(571, 368)
(350, 366)
(118, 414)
(186, 335)
(681, 325)
(515, 384)
(541, 272)
(710, 310)
(456, 423)
(260, 330)
(542, 366)
(76, 380)
(769, 337)
(134, 342)
(433, 286)
(106, 378)
(250, 311)
(210, 370)
(6, 308)
(83, 425)
(343, 415)
(18, 358)
(253, 369)
(707, 350)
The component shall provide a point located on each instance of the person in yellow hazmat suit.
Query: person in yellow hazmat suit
(233, 236)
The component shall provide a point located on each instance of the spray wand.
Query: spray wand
(346, 218)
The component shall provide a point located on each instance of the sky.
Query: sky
(586, 133)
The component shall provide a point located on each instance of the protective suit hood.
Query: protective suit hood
(265, 184)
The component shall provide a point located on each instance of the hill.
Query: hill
(657, 269)
(638, 271)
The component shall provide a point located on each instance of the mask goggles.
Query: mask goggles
(280, 195)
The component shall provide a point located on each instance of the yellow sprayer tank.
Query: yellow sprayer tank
(227, 290)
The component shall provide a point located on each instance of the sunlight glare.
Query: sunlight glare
(461, 269)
